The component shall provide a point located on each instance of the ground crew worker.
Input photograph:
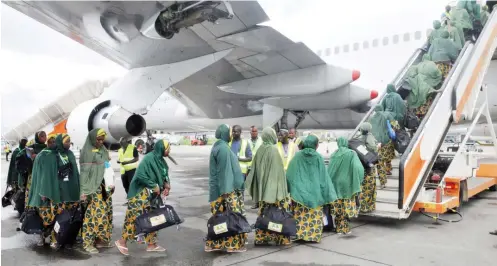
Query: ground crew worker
(255, 141)
(241, 148)
(292, 135)
(286, 148)
(128, 158)
(7, 152)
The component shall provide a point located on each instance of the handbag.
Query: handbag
(328, 220)
(19, 200)
(278, 221)
(368, 158)
(7, 197)
(411, 121)
(402, 141)
(31, 222)
(157, 218)
(227, 224)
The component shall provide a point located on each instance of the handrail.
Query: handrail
(398, 79)
(414, 140)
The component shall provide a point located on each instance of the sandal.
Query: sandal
(91, 250)
(122, 249)
(209, 249)
(156, 249)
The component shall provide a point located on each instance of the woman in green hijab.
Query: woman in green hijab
(267, 185)
(42, 186)
(346, 173)
(392, 102)
(226, 184)
(12, 176)
(24, 180)
(151, 177)
(310, 188)
(367, 197)
(386, 152)
(97, 227)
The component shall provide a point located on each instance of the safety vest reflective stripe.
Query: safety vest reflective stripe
(291, 152)
(241, 153)
(126, 157)
(258, 143)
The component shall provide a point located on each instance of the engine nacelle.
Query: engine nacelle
(96, 113)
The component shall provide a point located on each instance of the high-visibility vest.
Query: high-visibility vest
(255, 146)
(241, 153)
(126, 157)
(290, 154)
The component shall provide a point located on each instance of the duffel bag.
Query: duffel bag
(368, 158)
(411, 120)
(67, 226)
(7, 197)
(278, 221)
(19, 200)
(226, 224)
(31, 223)
(402, 141)
(157, 219)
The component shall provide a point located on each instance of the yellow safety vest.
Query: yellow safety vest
(241, 153)
(258, 143)
(126, 157)
(291, 152)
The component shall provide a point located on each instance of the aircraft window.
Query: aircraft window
(346, 48)
(417, 35)
(327, 52)
(337, 50)
(356, 46)
(105, 115)
(385, 41)
(375, 43)
(407, 37)
(365, 45)
(395, 39)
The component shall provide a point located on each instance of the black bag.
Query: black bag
(23, 165)
(411, 121)
(328, 220)
(278, 221)
(67, 226)
(157, 218)
(6, 199)
(368, 158)
(402, 141)
(19, 200)
(226, 224)
(31, 223)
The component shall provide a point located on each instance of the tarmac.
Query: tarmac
(416, 241)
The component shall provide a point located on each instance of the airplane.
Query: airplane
(204, 63)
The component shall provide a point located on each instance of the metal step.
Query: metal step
(384, 210)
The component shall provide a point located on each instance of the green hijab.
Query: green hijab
(152, 171)
(69, 189)
(13, 174)
(225, 175)
(44, 179)
(345, 170)
(308, 182)
(91, 161)
(266, 180)
(393, 103)
(379, 122)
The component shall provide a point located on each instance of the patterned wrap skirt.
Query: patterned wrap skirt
(265, 237)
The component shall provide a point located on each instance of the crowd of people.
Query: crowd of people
(277, 170)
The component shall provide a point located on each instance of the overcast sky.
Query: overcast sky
(38, 63)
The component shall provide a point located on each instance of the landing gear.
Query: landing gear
(283, 124)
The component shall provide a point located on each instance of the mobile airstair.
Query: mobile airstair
(56, 112)
(469, 173)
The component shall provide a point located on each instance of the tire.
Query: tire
(493, 188)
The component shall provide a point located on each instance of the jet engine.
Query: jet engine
(97, 113)
(186, 14)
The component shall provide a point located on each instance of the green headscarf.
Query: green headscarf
(12, 175)
(267, 181)
(38, 146)
(44, 179)
(443, 49)
(225, 175)
(379, 122)
(308, 182)
(152, 171)
(366, 136)
(437, 28)
(91, 161)
(69, 189)
(345, 170)
(393, 103)
(461, 16)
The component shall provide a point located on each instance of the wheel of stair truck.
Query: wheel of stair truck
(462, 189)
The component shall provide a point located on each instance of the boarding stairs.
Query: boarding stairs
(453, 104)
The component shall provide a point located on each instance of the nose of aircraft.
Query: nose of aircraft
(374, 94)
